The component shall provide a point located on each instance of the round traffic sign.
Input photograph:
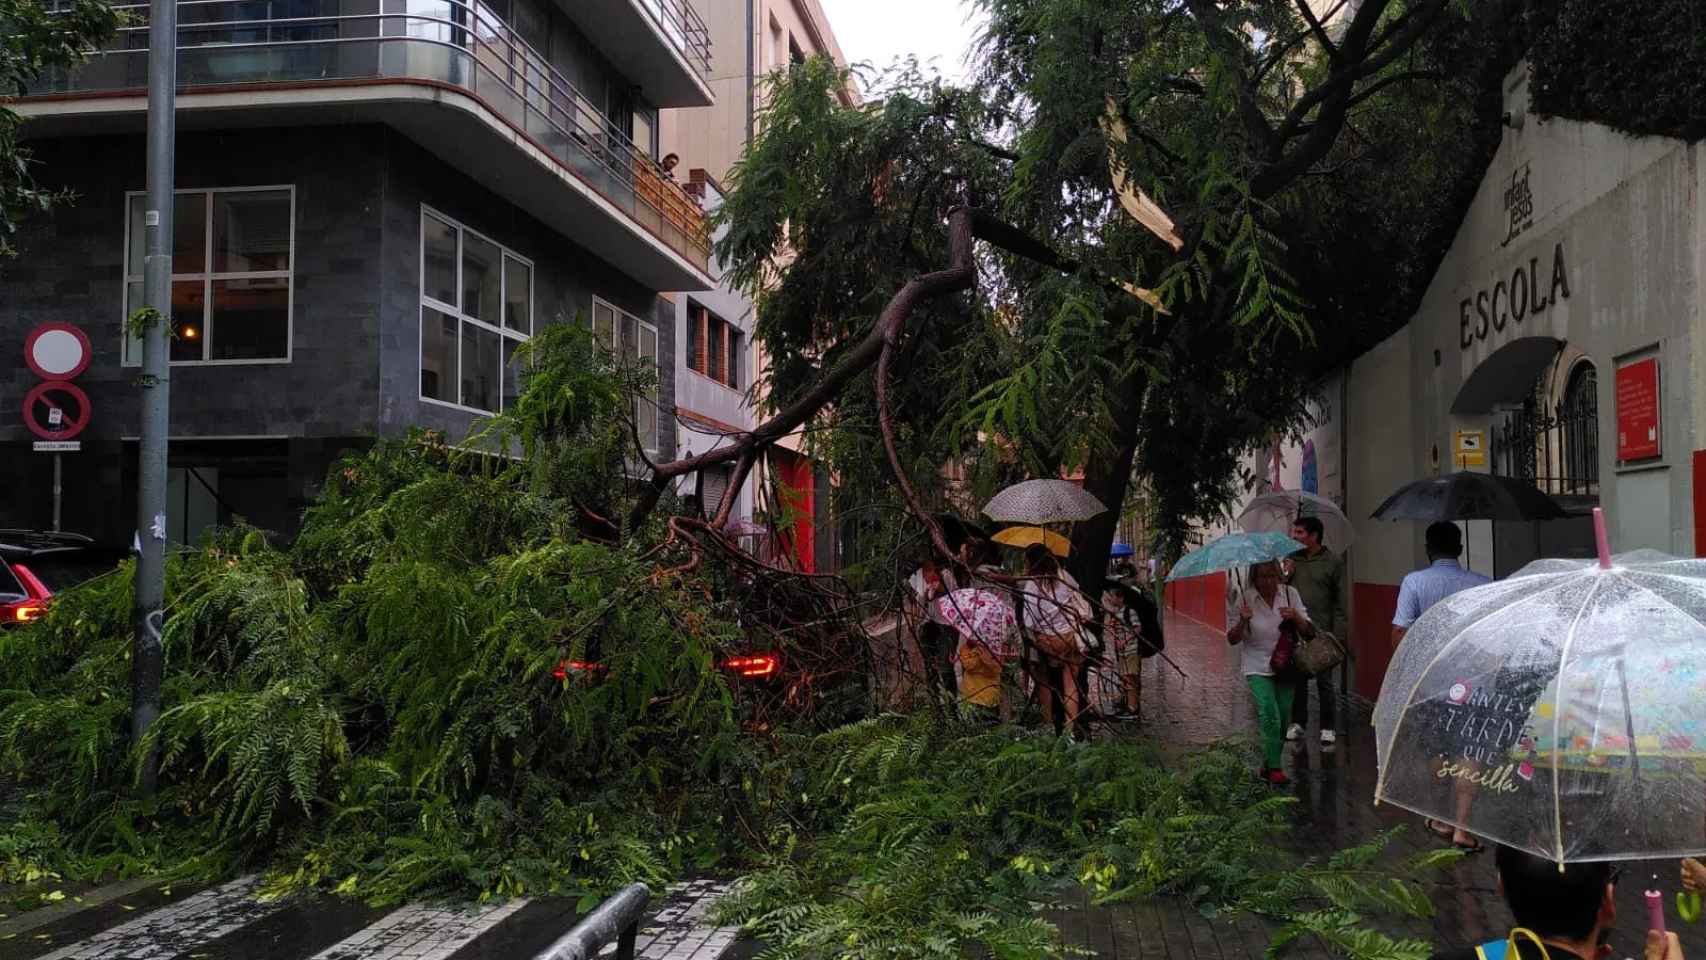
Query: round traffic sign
(52, 421)
(57, 351)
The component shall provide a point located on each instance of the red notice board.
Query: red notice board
(1638, 410)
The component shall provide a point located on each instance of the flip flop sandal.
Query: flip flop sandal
(1473, 846)
(1439, 829)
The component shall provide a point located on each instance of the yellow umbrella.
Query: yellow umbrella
(1025, 536)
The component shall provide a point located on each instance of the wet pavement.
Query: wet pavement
(1335, 789)
(227, 922)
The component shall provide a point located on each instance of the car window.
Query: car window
(11, 590)
(62, 571)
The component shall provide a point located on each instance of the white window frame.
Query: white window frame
(455, 310)
(208, 276)
(657, 360)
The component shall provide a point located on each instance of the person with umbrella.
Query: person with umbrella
(1054, 613)
(1442, 577)
(1318, 575)
(1269, 620)
(1560, 914)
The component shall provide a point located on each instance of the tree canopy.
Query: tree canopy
(1307, 156)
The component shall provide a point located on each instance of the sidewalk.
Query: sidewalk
(1335, 789)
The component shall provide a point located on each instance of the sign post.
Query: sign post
(56, 352)
(1471, 448)
(147, 657)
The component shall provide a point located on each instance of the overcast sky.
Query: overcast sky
(878, 31)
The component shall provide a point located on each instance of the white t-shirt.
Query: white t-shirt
(1257, 647)
(1052, 610)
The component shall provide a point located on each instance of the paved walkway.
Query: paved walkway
(1335, 787)
(138, 921)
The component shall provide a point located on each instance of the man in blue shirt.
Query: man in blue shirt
(1421, 590)
(1440, 579)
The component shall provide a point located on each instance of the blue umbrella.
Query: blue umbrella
(1122, 550)
(1233, 551)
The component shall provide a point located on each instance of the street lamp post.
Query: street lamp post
(147, 657)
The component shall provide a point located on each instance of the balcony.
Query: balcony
(513, 121)
(663, 45)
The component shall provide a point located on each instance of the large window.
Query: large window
(232, 256)
(714, 346)
(634, 341)
(476, 308)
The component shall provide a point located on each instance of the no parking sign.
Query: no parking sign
(56, 410)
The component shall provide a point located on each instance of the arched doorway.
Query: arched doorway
(1541, 400)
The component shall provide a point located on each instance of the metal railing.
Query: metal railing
(1557, 451)
(452, 42)
(617, 918)
(681, 23)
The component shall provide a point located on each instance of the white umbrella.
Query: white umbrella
(1043, 501)
(1561, 710)
(1276, 510)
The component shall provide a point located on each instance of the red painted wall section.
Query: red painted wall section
(1700, 503)
(1372, 606)
(1201, 598)
(799, 539)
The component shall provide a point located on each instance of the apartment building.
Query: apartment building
(378, 202)
(719, 361)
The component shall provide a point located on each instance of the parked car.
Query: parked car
(35, 565)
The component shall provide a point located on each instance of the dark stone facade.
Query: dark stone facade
(354, 370)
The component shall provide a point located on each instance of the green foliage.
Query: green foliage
(1636, 67)
(899, 839)
(376, 710)
(35, 38)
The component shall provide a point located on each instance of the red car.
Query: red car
(35, 565)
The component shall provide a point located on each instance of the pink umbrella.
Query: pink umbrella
(981, 616)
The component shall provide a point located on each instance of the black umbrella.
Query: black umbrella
(1469, 496)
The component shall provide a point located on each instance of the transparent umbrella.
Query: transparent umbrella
(1276, 511)
(1561, 711)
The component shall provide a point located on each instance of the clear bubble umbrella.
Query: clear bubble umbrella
(1561, 711)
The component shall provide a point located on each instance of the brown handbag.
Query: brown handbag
(1319, 653)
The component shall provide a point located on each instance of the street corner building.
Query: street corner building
(377, 202)
(1561, 342)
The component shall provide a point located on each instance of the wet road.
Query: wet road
(1335, 789)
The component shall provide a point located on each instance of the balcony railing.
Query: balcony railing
(684, 28)
(464, 45)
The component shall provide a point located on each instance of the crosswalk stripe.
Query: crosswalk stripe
(419, 932)
(176, 928)
(682, 930)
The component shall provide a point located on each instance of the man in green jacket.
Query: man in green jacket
(1318, 576)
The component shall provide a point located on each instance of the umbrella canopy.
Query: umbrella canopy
(1570, 697)
(1025, 536)
(1043, 501)
(1276, 510)
(1122, 550)
(1469, 496)
(981, 616)
(1232, 551)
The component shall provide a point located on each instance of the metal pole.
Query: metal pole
(58, 488)
(146, 660)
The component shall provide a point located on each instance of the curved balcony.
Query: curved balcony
(401, 62)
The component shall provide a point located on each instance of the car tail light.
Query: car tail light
(25, 611)
(758, 665)
(33, 606)
(576, 666)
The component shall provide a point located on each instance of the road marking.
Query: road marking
(176, 928)
(420, 933)
(681, 930)
(41, 917)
